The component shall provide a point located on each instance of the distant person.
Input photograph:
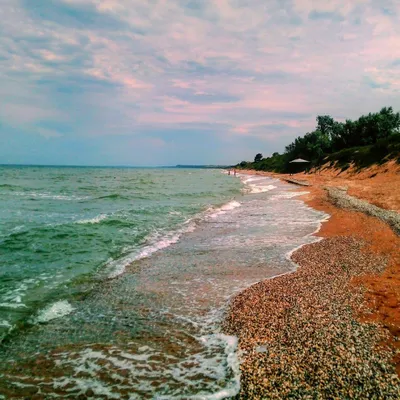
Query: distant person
(229, 171)
(234, 172)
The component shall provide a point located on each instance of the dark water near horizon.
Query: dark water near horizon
(113, 282)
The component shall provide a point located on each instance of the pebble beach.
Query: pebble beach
(319, 332)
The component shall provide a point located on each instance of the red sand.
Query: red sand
(379, 185)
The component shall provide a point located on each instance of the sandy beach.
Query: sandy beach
(332, 328)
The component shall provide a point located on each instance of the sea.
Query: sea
(114, 282)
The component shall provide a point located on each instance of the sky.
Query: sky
(165, 82)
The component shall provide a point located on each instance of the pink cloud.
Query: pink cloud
(181, 84)
(165, 57)
(342, 6)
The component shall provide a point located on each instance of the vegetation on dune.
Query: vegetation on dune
(373, 138)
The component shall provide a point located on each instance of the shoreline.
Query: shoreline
(356, 252)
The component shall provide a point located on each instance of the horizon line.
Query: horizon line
(111, 166)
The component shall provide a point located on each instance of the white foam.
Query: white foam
(234, 365)
(17, 228)
(314, 239)
(257, 184)
(98, 388)
(218, 360)
(251, 178)
(230, 206)
(5, 324)
(224, 209)
(136, 357)
(261, 189)
(325, 218)
(208, 363)
(51, 196)
(12, 305)
(117, 267)
(94, 220)
(56, 310)
(13, 298)
(159, 242)
(287, 195)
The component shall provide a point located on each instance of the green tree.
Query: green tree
(380, 131)
(325, 124)
(258, 157)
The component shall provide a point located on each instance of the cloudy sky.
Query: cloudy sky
(161, 82)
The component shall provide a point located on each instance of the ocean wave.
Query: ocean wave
(230, 206)
(161, 241)
(233, 364)
(8, 186)
(323, 217)
(114, 268)
(257, 184)
(12, 298)
(94, 220)
(114, 196)
(174, 213)
(223, 209)
(4, 324)
(13, 231)
(12, 305)
(195, 194)
(217, 360)
(261, 188)
(53, 311)
(107, 220)
(250, 178)
(51, 196)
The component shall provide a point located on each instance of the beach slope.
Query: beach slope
(331, 329)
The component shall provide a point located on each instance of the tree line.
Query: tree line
(374, 136)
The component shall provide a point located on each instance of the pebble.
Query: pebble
(300, 336)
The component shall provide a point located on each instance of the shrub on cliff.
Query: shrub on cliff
(378, 132)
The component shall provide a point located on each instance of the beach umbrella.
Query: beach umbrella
(298, 165)
(299, 160)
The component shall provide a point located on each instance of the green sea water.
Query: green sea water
(114, 281)
(61, 225)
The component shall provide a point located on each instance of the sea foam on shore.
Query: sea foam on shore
(160, 320)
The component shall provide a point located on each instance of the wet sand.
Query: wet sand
(154, 332)
(331, 329)
(379, 184)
